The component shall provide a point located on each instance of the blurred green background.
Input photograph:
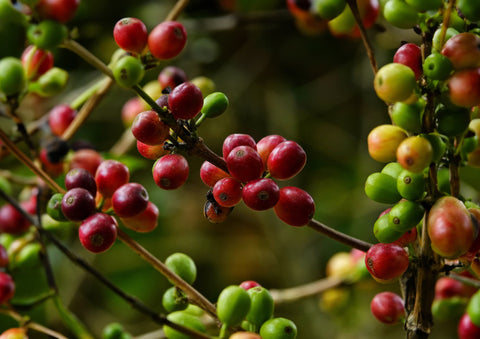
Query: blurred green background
(314, 89)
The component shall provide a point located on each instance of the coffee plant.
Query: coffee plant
(153, 158)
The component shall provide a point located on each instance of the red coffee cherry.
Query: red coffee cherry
(286, 160)
(145, 221)
(7, 287)
(110, 175)
(446, 287)
(88, 159)
(295, 206)
(167, 39)
(152, 152)
(463, 50)
(386, 261)
(80, 177)
(14, 333)
(131, 35)
(215, 213)
(261, 194)
(36, 61)
(78, 204)
(410, 55)
(53, 169)
(185, 101)
(464, 88)
(59, 10)
(467, 329)
(4, 259)
(98, 232)
(266, 145)
(131, 109)
(227, 192)
(244, 163)
(234, 140)
(170, 171)
(210, 174)
(149, 129)
(60, 117)
(12, 221)
(248, 284)
(129, 200)
(171, 76)
(387, 307)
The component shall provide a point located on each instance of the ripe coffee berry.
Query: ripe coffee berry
(266, 145)
(467, 329)
(234, 140)
(98, 232)
(227, 192)
(215, 213)
(185, 101)
(286, 160)
(248, 284)
(152, 152)
(386, 261)
(12, 221)
(170, 171)
(60, 117)
(131, 35)
(129, 200)
(78, 204)
(295, 206)
(145, 221)
(59, 10)
(261, 194)
(167, 39)
(210, 173)
(410, 55)
(110, 175)
(149, 129)
(171, 76)
(80, 177)
(244, 163)
(36, 61)
(387, 307)
(7, 287)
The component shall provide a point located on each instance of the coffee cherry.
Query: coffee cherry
(245, 335)
(167, 39)
(244, 163)
(473, 309)
(463, 50)
(53, 169)
(206, 85)
(210, 173)
(50, 83)
(394, 82)
(4, 259)
(185, 101)
(184, 319)
(227, 192)
(266, 145)
(214, 104)
(393, 169)
(12, 221)
(170, 171)
(131, 35)
(79, 177)
(383, 142)
(234, 140)
(215, 213)
(152, 152)
(171, 76)
(7, 287)
(386, 261)
(278, 328)
(149, 129)
(110, 175)
(400, 14)
(408, 116)
(174, 300)
(59, 10)
(60, 117)
(47, 35)
(388, 307)
(12, 76)
(98, 232)
(470, 9)
(329, 9)
(384, 231)
(78, 204)
(437, 42)
(425, 5)
(286, 160)
(261, 194)
(410, 55)
(467, 329)
(54, 207)
(233, 305)
(145, 221)
(88, 159)
(464, 87)
(115, 331)
(183, 266)
(129, 200)
(405, 215)
(415, 154)
(446, 287)
(452, 120)
(437, 67)
(344, 25)
(128, 71)
(248, 284)
(131, 109)
(382, 188)
(411, 186)
(261, 306)
(295, 206)
(36, 61)
(14, 333)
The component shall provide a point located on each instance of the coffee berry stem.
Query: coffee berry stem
(85, 54)
(177, 10)
(465, 280)
(78, 102)
(446, 20)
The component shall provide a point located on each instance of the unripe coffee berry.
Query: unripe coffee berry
(12, 76)
(233, 305)
(278, 328)
(128, 71)
(183, 266)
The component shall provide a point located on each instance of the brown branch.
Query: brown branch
(176, 10)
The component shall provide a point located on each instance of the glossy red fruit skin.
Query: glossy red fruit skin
(234, 140)
(466, 329)
(386, 261)
(7, 287)
(463, 50)
(4, 259)
(131, 35)
(170, 171)
(407, 238)
(88, 159)
(286, 160)
(60, 117)
(248, 284)
(167, 39)
(185, 101)
(149, 129)
(227, 192)
(244, 163)
(12, 221)
(446, 287)
(152, 152)
(36, 61)
(110, 175)
(410, 55)
(59, 10)
(464, 88)
(387, 307)
(266, 145)
(295, 206)
(261, 194)
(145, 221)
(78, 204)
(129, 200)
(131, 109)
(171, 76)
(98, 232)
(210, 174)
(80, 177)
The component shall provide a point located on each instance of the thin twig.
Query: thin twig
(176, 10)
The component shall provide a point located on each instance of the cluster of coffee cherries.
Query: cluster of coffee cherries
(315, 16)
(90, 200)
(253, 168)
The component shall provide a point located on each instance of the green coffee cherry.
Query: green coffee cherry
(469, 145)
(470, 9)
(214, 104)
(54, 207)
(9, 14)
(437, 44)
(452, 121)
(206, 85)
(233, 305)
(47, 35)
(61, 229)
(329, 9)
(438, 145)
(278, 328)
(448, 308)
(411, 186)
(261, 307)
(384, 232)
(408, 116)
(393, 169)
(12, 76)
(394, 82)
(473, 308)
(184, 319)
(400, 14)
(174, 300)
(437, 67)
(5, 185)
(128, 71)
(115, 331)
(382, 188)
(425, 5)
(50, 83)
(405, 215)
(27, 257)
(183, 266)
